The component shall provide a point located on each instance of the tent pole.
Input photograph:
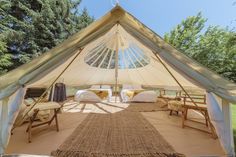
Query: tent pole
(41, 97)
(175, 79)
(183, 89)
(116, 64)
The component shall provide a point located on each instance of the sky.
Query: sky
(163, 15)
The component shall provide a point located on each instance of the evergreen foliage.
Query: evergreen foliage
(29, 28)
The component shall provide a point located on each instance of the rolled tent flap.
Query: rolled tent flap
(217, 118)
(9, 115)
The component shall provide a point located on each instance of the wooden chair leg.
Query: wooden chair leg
(183, 117)
(214, 135)
(55, 112)
(29, 128)
(171, 112)
(29, 131)
(207, 119)
(185, 114)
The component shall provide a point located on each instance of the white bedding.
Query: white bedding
(144, 96)
(86, 95)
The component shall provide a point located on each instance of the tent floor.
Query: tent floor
(45, 139)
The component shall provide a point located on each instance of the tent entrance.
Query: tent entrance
(122, 57)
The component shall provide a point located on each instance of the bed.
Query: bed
(96, 93)
(135, 93)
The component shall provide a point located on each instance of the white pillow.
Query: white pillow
(126, 86)
(106, 87)
(95, 87)
(137, 87)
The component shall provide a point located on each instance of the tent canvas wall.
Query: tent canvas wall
(117, 49)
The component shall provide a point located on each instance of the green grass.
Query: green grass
(234, 123)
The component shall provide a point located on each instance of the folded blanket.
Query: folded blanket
(43, 114)
(103, 94)
(133, 93)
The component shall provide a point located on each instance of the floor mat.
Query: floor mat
(123, 134)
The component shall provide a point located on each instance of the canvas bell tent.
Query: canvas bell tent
(118, 49)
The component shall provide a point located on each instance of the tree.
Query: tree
(5, 58)
(215, 48)
(214, 51)
(185, 35)
(35, 26)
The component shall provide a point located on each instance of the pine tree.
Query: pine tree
(32, 27)
(5, 58)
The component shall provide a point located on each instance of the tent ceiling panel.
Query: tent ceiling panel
(157, 44)
(10, 81)
(44, 69)
(152, 73)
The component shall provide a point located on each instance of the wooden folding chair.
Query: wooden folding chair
(52, 106)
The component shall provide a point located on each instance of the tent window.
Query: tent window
(99, 58)
(106, 60)
(130, 56)
(142, 58)
(134, 59)
(121, 60)
(113, 60)
(93, 52)
(128, 60)
(93, 58)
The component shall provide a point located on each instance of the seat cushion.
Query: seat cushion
(175, 105)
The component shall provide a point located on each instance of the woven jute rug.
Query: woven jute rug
(147, 107)
(123, 134)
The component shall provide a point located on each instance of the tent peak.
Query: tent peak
(118, 8)
(117, 12)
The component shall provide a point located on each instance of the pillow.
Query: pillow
(95, 87)
(126, 86)
(106, 87)
(136, 87)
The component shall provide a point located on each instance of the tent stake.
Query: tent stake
(41, 97)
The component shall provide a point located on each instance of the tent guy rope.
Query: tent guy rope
(41, 97)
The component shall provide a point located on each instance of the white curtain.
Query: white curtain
(13, 109)
(217, 118)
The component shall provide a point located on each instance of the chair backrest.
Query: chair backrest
(197, 98)
(34, 92)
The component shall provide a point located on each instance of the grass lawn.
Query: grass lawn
(234, 123)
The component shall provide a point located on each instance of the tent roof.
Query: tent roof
(189, 68)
